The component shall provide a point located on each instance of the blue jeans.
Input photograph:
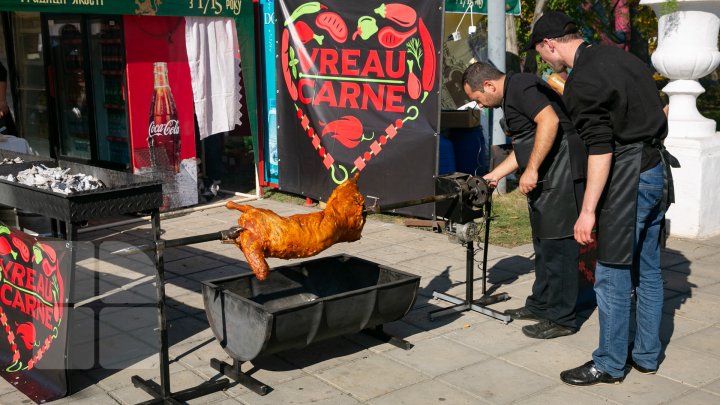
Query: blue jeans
(614, 285)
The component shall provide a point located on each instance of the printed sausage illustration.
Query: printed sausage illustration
(333, 24)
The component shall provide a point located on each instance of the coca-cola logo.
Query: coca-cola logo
(171, 127)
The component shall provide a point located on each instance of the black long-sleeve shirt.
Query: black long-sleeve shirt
(612, 98)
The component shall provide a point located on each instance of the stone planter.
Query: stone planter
(687, 50)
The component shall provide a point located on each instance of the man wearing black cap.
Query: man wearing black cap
(615, 107)
(541, 131)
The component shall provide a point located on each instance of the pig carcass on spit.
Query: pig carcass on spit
(267, 234)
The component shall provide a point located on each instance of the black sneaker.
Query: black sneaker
(587, 374)
(640, 368)
(547, 330)
(522, 313)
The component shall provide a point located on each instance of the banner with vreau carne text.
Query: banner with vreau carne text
(358, 92)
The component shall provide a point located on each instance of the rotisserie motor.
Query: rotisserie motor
(267, 234)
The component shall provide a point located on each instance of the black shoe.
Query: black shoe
(640, 368)
(587, 374)
(547, 330)
(522, 313)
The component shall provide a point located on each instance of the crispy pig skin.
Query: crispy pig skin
(267, 234)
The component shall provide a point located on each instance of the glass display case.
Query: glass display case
(108, 77)
(31, 104)
(68, 59)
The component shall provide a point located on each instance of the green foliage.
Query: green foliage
(642, 19)
(669, 6)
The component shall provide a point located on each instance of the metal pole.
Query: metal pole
(496, 55)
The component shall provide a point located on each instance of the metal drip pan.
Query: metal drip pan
(304, 303)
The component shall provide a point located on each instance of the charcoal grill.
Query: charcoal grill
(123, 193)
(301, 304)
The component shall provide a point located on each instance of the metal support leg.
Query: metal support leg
(233, 371)
(469, 303)
(162, 393)
(378, 333)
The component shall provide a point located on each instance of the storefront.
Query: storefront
(85, 79)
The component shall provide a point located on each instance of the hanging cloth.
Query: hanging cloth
(214, 59)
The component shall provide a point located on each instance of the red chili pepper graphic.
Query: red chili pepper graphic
(286, 65)
(400, 14)
(389, 38)
(5, 247)
(413, 85)
(428, 70)
(306, 34)
(26, 332)
(348, 130)
(49, 251)
(333, 24)
(22, 248)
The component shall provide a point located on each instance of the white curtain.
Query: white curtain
(214, 58)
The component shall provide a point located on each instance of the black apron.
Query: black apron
(552, 206)
(616, 218)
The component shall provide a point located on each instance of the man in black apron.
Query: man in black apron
(542, 135)
(616, 108)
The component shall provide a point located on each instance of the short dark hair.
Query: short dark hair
(477, 73)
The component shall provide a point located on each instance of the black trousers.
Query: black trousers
(555, 290)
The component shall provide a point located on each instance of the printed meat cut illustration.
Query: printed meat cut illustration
(264, 233)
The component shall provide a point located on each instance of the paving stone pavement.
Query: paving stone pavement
(466, 358)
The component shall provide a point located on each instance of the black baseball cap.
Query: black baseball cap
(552, 24)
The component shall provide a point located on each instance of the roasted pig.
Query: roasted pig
(267, 234)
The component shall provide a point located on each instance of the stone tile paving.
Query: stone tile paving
(463, 358)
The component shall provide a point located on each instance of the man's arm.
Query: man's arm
(507, 166)
(597, 175)
(547, 126)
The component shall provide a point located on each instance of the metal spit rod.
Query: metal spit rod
(223, 236)
(376, 209)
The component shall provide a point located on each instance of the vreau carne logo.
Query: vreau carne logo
(172, 127)
(385, 68)
(31, 289)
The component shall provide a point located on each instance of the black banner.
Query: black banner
(358, 91)
(33, 314)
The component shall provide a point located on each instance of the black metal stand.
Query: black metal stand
(469, 304)
(233, 371)
(161, 392)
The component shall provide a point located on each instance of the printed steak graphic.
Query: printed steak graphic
(388, 68)
(31, 299)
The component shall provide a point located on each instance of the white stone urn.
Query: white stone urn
(687, 50)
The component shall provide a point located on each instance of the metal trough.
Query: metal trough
(304, 303)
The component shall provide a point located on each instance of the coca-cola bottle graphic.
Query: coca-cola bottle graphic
(164, 128)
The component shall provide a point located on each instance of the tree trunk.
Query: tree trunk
(512, 57)
(539, 7)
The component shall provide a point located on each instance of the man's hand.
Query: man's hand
(584, 227)
(492, 179)
(4, 109)
(528, 181)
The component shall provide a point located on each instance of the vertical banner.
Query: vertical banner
(270, 139)
(358, 92)
(161, 108)
(33, 314)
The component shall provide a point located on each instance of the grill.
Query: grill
(124, 192)
(301, 304)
